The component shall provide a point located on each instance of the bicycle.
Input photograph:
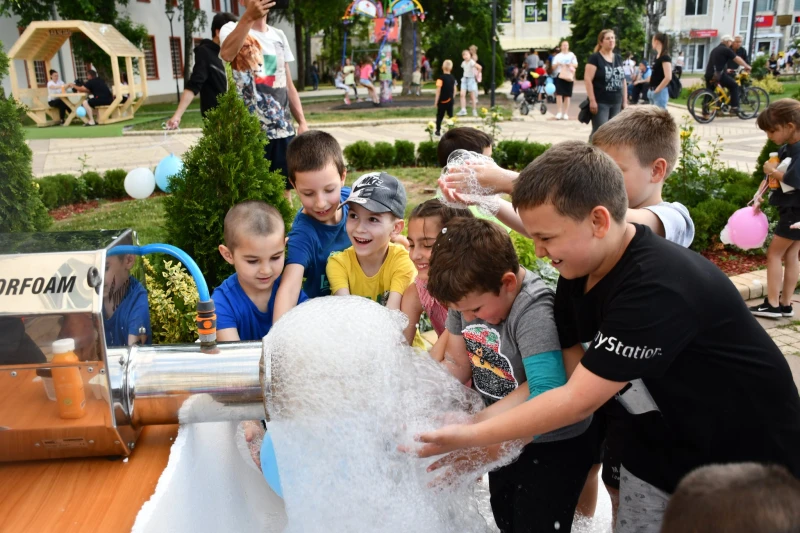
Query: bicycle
(704, 104)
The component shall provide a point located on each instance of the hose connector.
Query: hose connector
(207, 323)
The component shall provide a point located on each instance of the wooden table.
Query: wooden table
(83, 495)
(73, 106)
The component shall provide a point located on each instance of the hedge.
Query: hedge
(64, 189)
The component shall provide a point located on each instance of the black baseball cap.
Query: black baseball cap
(379, 192)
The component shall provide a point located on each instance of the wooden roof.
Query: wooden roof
(42, 39)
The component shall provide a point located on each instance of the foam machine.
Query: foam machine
(65, 393)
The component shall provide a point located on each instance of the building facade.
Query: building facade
(163, 52)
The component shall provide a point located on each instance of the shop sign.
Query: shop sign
(765, 21)
(702, 34)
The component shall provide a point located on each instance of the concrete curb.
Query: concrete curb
(751, 285)
(342, 124)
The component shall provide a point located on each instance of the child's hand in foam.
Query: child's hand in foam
(254, 435)
(488, 175)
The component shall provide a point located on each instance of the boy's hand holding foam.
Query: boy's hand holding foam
(488, 175)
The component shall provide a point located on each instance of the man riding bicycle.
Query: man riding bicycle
(716, 70)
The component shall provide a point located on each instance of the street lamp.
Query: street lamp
(604, 17)
(170, 11)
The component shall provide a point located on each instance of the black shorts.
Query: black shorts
(608, 430)
(563, 87)
(787, 217)
(275, 153)
(95, 102)
(542, 486)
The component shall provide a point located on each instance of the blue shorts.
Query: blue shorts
(365, 82)
(469, 85)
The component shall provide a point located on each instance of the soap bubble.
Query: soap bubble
(484, 198)
(343, 390)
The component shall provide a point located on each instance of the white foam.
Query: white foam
(483, 198)
(346, 391)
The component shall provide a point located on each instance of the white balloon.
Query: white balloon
(140, 183)
(724, 237)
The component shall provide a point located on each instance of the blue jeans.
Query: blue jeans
(659, 99)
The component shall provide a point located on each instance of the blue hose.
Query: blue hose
(180, 255)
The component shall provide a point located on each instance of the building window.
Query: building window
(177, 56)
(235, 7)
(797, 5)
(80, 68)
(150, 61)
(744, 20)
(215, 6)
(505, 18)
(566, 8)
(536, 11)
(765, 5)
(40, 70)
(197, 4)
(697, 7)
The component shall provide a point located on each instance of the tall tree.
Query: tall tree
(591, 16)
(655, 9)
(407, 39)
(194, 21)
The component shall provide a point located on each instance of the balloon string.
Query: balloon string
(762, 188)
(165, 141)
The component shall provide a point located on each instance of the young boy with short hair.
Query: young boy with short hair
(445, 92)
(502, 334)
(317, 172)
(126, 315)
(373, 266)
(735, 498)
(463, 138)
(666, 333)
(645, 144)
(255, 243)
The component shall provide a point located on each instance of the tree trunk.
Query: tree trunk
(307, 51)
(188, 25)
(407, 47)
(299, 53)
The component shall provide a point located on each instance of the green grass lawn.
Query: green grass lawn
(147, 216)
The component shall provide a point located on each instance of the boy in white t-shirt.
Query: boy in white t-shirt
(469, 84)
(268, 89)
(56, 87)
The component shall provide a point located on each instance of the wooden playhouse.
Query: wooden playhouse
(41, 41)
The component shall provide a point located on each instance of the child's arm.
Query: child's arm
(228, 335)
(412, 308)
(438, 92)
(437, 352)
(456, 359)
(226, 317)
(289, 290)
(394, 300)
(572, 356)
(646, 218)
(337, 276)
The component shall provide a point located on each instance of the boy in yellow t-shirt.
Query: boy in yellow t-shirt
(373, 266)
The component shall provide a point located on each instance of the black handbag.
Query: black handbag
(585, 114)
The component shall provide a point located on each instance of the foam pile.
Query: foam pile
(464, 162)
(345, 391)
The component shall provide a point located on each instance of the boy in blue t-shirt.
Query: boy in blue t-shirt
(126, 316)
(255, 241)
(317, 172)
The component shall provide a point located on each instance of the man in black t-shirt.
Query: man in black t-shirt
(100, 94)
(739, 50)
(717, 69)
(665, 331)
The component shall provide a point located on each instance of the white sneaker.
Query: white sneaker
(564, 117)
(474, 113)
(558, 116)
(462, 113)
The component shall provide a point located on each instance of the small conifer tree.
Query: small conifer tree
(21, 207)
(224, 168)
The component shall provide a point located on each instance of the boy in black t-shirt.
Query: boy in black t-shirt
(445, 89)
(101, 94)
(665, 331)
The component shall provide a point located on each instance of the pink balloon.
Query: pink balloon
(747, 228)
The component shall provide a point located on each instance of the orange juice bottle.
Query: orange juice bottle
(67, 381)
(772, 182)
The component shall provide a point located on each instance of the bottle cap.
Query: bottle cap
(64, 346)
(773, 154)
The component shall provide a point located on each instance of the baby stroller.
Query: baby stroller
(534, 96)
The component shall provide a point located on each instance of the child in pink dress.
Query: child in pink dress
(424, 224)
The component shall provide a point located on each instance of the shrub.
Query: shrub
(61, 189)
(360, 155)
(697, 176)
(709, 217)
(759, 67)
(114, 183)
(404, 153)
(531, 152)
(526, 252)
(21, 206)
(384, 155)
(426, 154)
(686, 91)
(507, 153)
(225, 167)
(770, 84)
(95, 186)
(172, 297)
(769, 146)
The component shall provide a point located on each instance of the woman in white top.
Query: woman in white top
(57, 87)
(564, 66)
(679, 64)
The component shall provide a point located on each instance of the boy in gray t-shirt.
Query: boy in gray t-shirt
(503, 335)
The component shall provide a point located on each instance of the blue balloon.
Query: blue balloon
(81, 112)
(269, 465)
(550, 88)
(168, 167)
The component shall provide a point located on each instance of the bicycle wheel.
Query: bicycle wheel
(749, 103)
(763, 97)
(704, 106)
(691, 97)
(523, 108)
